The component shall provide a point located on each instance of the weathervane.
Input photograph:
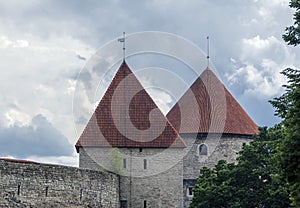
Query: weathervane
(207, 52)
(122, 40)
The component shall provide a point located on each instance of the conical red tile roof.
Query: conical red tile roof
(208, 107)
(128, 117)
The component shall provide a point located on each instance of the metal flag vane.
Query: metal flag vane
(207, 52)
(122, 40)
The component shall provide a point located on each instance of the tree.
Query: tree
(116, 160)
(288, 157)
(252, 182)
(292, 35)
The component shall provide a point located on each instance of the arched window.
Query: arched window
(202, 149)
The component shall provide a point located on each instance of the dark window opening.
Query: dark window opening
(19, 189)
(202, 149)
(190, 191)
(46, 194)
(124, 163)
(80, 196)
(145, 164)
(123, 204)
(141, 149)
(145, 204)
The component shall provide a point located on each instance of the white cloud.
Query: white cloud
(5, 42)
(281, 3)
(263, 82)
(258, 66)
(162, 99)
(258, 43)
(15, 117)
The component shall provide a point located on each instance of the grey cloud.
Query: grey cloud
(81, 120)
(85, 77)
(38, 139)
(96, 22)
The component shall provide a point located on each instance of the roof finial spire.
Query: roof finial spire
(207, 51)
(122, 40)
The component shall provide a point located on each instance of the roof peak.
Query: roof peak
(128, 117)
(210, 108)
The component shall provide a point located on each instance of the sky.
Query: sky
(48, 92)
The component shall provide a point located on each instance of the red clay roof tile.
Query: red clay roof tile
(208, 107)
(128, 117)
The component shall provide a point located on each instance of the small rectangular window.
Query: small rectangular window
(145, 164)
(46, 194)
(123, 203)
(189, 192)
(145, 204)
(124, 163)
(141, 149)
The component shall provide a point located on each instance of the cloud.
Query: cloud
(39, 138)
(42, 44)
(257, 69)
(5, 43)
(263, 82)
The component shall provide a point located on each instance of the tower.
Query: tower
(149, 147)
(212, 124)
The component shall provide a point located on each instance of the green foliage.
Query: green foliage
(288, 107)
(268, 170)
(288, 157)
(252, 182)
(116, 160)
(292, 35)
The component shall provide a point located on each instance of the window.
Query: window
(202, 149)
(141, 149)
(123, 203)
(80, 195)
(124, 163)
(189, 192)
(145, 164)
(19, 189)
(46, 194)
(145, 204)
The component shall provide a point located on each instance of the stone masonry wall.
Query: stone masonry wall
(41, 185)
(219, 147)
(160, 184)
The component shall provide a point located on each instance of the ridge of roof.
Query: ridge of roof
(111, 124)
(208, 107)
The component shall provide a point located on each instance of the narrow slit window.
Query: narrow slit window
(80, 195)
(46, 192)
(145, 164)
(19, 189)
(124, 163)
(145, 204)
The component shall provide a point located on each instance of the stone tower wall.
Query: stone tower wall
(219, 147)
(42, 185)
(159, 185)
